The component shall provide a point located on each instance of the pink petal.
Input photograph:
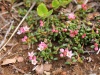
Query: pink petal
(22, 30)
(71, 16)
(30, 57)
(61, 50)
(72, 35)
(61, 55)
(76, 32)
(41, 23)
(84, 6)
(96, 48)
(26, 28)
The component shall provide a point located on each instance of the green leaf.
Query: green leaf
(64, 2)
(49, 13)
(12, 1)
(68, 63)
(55, 4)
(43, 53)
(73, 59)
(55, 58)
(42, 10)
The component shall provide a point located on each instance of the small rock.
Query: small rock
(89, 59)
(63, 73)
(46, 73)
(20, 59)
(93, 74)
(27, 74)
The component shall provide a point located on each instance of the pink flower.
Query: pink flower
(84, 35)
(69, 54)
(42, 46)
(64, 30)
(30, 54)
(34, 61)
(64, 52)
(26, 29)
(19, 32)
(71, 16)
(73, 33)
(76, 32)
(61, 50)
(34, 58)
(41, 23)
(66, 49)
(84, 6)
(23, 30)
(54, 30)
(97, 31)
(24, 39)
(96, 46)
(61, 55)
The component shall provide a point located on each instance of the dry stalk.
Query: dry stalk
(20, 70)
(4, 26)
(17, 5)
(8, 31)
(3, 19)
(98, 51)
(13, 7)
(8, 51)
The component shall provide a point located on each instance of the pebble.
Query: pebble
(93, 74)
(27, 74)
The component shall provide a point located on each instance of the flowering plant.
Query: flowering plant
(67, 38)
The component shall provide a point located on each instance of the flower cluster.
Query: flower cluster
(84, 6)
(73, 33)
(32, 58)
(24, 39)
(54, 29)
(65, 52)
(64, 30)
(84, 35)
(23, 29)
(42, 46)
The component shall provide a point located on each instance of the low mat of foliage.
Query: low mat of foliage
(59, 34)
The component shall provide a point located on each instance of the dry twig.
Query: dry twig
(8, 52)
(4, 26)
(3, 19)
(98, 51)
(17, 5)
(22, 71)
(18, 25)
(3, 41)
